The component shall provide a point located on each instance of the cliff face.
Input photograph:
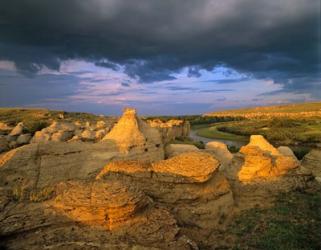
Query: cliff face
(171, 129)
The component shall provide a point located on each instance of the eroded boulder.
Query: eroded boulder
(17, 130)
(220, 152)
(189, 184)
(176, 149)
(312, 162)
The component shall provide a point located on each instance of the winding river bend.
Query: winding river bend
(193, 134)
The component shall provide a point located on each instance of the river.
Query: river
(196, 137)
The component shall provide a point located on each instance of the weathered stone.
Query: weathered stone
(62, 136)
(126, 132)
(4, 128)
(101, 125)
(171, 129)
(100, 134)
(188, 184)
(220, 152)
(260, 163)
(24, 139)
(106, 203)
(176, 149)
(17, 130)
(40, 136)
(312, 162)
(286, 151)
(88, 135)
(186, 167)
(132, 135)
(260, 142)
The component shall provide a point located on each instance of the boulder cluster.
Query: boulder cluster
(13, 137)
(132, 191)
(77, 131)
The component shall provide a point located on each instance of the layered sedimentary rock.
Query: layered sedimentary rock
(171, 129)
(189, 185)
(262, 160)
(90, 215)
(259, 171)
(131, 134)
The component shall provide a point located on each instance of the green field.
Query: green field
(213, 133)
(286, 108)
(293, 222)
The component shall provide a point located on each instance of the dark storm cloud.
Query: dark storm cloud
(153, 39)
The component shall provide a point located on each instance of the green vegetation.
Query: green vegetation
(194, 120)
(213, 132)
(293, 222)
(283, 131)
(287, 108)
(198, 144)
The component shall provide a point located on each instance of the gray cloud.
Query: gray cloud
(154, 39)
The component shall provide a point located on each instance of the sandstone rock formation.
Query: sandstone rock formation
(220, 152)
(4, 128)
(17, 130)
(262, 160)
(131, 134)
(176, 149)
(171, 129)
(287, 152)
(260, 142)
(23, 139)
(188, 184)
(312, 162)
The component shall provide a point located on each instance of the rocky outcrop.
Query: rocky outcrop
(131, 134)
(287, 152)
(171, 129)
(109, 204)
(260, 142)
(220, 152)
(312, 162)
(189, 185)
(90, 215)
(23, 139)
(77, 131)
(262, 160)
(17, 130)
(126, 133)
(176, 149)
(4, 128)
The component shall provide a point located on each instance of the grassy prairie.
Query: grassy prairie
(214, 133)
(293, 222)
(308, 107)
(36, 119)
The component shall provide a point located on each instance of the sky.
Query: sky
(162, 57)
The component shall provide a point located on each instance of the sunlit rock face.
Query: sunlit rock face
(189, 185)
(131, 134)
(312, 162)
(109, 204)
(171, 129)
(262, 160)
